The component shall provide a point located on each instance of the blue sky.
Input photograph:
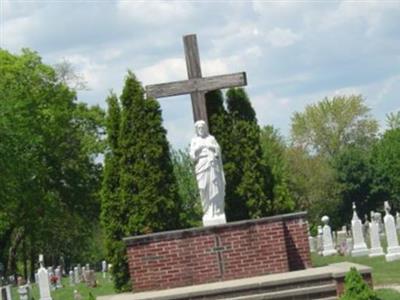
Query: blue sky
(294, 52)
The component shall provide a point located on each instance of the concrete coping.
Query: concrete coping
(198, 231)
(333, 271)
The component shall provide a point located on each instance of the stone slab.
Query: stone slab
(333, 271)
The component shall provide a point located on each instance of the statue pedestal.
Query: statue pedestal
(223, 252)
(221, 219)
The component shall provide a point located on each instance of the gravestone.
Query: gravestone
(319, 240)
(44, 288)
(359, 246)
(393, 248)
(5, 292)
(376, 248)
(59, 276)
(90, 276)
(327, 241)
(341, 240)
(398, 221)
(71, 278)
(104, 268)
(76, 275)
(24, 292)
(83, 274)
(312, 242)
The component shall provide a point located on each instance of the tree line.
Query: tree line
(55, 190)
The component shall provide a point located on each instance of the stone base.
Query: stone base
(393, 253)
(374, 252)
(357, 252)
(46, 298)
(221, 219)
(315, 283)
(329, 252)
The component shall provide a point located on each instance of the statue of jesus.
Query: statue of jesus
(206, 154)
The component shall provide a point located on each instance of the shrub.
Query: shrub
(355, 288)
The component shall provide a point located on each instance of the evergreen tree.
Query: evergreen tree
(253, 184)
(140, 193)
(248, 180)
(111, 210)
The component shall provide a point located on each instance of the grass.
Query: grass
(104, 287)
(388, 294)
(382, 272)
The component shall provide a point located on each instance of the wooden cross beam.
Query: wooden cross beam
(196, 85)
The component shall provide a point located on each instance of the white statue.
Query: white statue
(206, 154)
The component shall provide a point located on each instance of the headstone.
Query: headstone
(319, 240)
(398, 221)
(90, 278)
(312, 244)
(376, 248)
(349, 246)
(327, 242)
(76, 275)
(5, 292)
(393, 249)
(58, 274)
(359, 246)
(87, 267)
(36, 277)
(341, 240)
(24, 292)
(71, 278)
(83, 274)
(104, 268)
(44, 288)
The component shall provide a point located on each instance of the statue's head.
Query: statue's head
(201, 128)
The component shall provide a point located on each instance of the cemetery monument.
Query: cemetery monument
(376, 248)
(393, 249)
(359, 246)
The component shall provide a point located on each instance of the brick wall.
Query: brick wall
(234, 250)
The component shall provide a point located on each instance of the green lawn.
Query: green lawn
(382, 272)
(388, 294)
(104, 287)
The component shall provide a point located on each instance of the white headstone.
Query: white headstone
(36, 277)
(44, 288)
(59, 276)
(341, 243)
(327, 242)
(393, 249)
(71, 278)
(23, 292)
(83, 276)
(104, 268)
(359, 246)
(376, 248)
(76, 275)
(398, 221)
(319, 240)
(311, 241)
(5, 292)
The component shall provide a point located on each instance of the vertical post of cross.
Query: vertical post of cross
(194, 71)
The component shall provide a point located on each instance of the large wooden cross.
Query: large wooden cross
(196, 85)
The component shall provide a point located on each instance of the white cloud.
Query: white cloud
(279, 37)
(154, 12)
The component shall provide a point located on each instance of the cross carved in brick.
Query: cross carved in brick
(196, 85)
(219, 249)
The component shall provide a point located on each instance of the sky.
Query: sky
(294, 53)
